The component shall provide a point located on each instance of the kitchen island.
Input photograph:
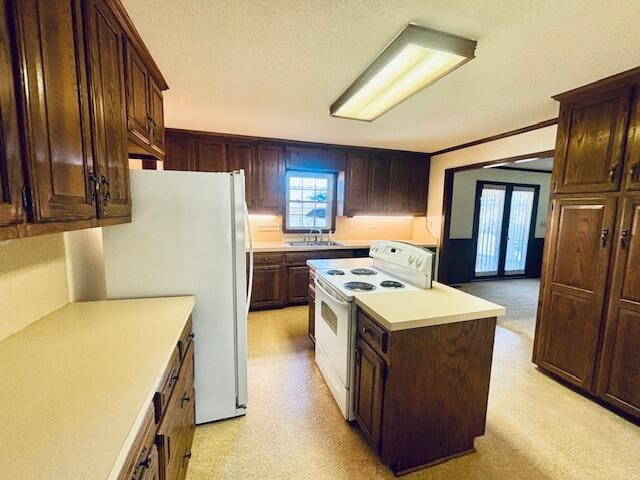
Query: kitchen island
(422, 368)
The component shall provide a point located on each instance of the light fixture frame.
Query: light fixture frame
(411, 34)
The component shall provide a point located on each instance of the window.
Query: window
(309, 197)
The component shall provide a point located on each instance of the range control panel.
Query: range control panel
(403, 255)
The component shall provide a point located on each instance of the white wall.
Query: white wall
(33, 281)
(530, 142)
(464, 192)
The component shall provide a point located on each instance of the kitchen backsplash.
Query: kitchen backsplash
(268, 228)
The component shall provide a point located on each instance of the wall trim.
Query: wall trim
(510, 133)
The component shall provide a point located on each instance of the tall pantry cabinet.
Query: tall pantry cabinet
(588, 329)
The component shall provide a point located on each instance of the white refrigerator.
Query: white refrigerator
(187, 236)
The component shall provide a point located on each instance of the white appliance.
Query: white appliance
(187, 237)
(397, 266)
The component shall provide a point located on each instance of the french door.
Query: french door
(504, 226)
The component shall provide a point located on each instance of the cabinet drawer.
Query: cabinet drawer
(373, 334)
(300, 258)
(274, 258)
(186, 338)
(139, 458)
(167, 385)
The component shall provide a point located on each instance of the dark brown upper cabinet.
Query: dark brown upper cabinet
(242, 156)
(357, 183)
(577, 262)
(408, 184)
(145, 111)
(619, 382)
(631, 171)
(379, 171)
(212, 155)
(316, 158)
(182, 153)
(11, 182)
(269, 180)
(105, 40)
(590, 142)
(56, 109)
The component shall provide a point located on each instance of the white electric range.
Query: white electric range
(397, 266)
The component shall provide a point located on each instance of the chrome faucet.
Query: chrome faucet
(311, 230)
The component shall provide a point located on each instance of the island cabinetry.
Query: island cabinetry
(421, 394)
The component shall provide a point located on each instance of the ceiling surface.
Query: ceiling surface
(273, 67)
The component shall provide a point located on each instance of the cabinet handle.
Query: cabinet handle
(633, 171)
(95, 187)
(604, 237)
(184, 399)
(146, 463)
(106, 196)
(187, 455)
(366, 331)
(175, 377)
(624, 235)
(613, 173)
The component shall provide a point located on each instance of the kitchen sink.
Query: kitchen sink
(324, 243)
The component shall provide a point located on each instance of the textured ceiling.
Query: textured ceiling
(272, 68)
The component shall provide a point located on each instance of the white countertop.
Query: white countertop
(343, 245)
(401, 310)
(76, 384)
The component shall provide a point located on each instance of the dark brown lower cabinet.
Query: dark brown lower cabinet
(297, 284)
(369, 392)
(421, 394)
(312, 306)
(162, 448)
(269, 283)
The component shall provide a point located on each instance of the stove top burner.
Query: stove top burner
(335, 272)
(359, 286)
(391, 284)
(363, 271)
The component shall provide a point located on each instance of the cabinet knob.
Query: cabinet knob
(604, 237)
(187, 455)
(633, 171)
(613, 173)
(185, 399)
(624, 236)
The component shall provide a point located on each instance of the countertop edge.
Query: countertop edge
(430, 322)
(135, 428)
(290, 248)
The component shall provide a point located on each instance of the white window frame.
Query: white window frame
(331, 192)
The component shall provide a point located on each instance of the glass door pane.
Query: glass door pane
(518, 230)
(489, 230)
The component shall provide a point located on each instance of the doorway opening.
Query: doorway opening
(504, 225)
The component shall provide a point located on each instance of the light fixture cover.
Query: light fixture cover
(413, 60)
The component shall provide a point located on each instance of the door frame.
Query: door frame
(447, 204)
(509, 186)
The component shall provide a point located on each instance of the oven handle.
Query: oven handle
(333, 297)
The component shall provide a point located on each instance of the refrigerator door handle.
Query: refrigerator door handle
(250, 286)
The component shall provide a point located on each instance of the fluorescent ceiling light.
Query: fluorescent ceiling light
(385, 217)
(415, 59)
(527, 160)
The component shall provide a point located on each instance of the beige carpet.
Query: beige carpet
(536, 429)
(519, 296)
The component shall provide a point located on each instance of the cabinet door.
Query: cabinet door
(11, 181)
(137, 84)
(378, 195)
(631, 171)
(590, 142)
(242, 157)
(619, 380)
(418, 185)
(399, 180)
(152, 471)
(298, 284)
(575, 280)
(269, 172)
(357, 183)
(156, 117)
(268, 286)
(212, 155)
(369, 392)
(53, 64)
(108, 106)
(181, 152)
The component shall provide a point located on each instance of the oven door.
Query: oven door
(333, 330)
